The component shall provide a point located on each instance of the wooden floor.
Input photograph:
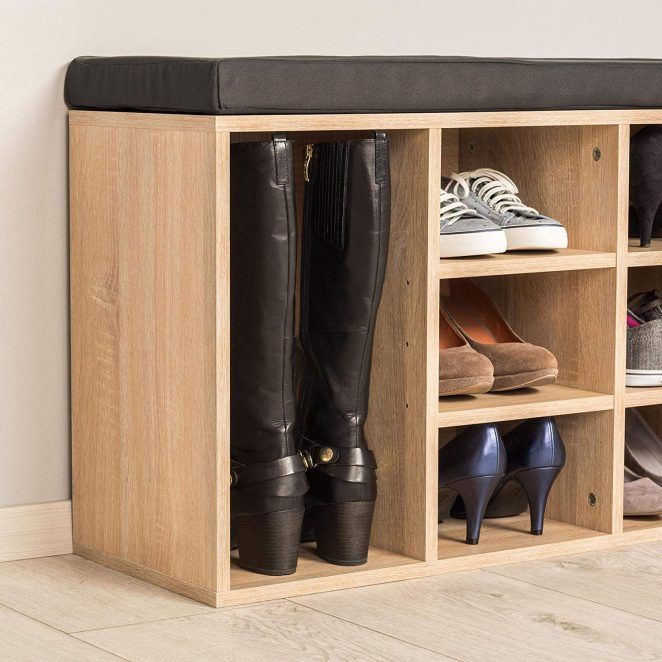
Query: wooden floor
(601, 606)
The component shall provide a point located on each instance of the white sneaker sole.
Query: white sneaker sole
(643, 377)
(472, 243)
(536, 238)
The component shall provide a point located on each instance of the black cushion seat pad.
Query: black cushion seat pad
(273, 85)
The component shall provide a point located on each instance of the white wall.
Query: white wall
(39, 37)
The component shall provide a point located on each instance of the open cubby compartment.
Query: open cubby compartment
(637, 256)
(566, 172)
(151, 378)
(643, 279)
(579, 507)
(396, 427)
(566, 312)
(653, 416)
(647, 400)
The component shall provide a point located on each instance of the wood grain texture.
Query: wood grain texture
(602, 577)
(143, 343)
(482, 616)
(555, 171)
(275, 631)
(644, 257)
(508, 533)
(566, 312)
(22, 638)
(368, 121)
(207, 596)
(634, 525)
(311, 568)
(400, 393)
(72, 594)
(642, 397)
(221, 285)
(522, 262)
(551, 400)
(583, 493)
(37, 529)
(618, 326)
(150, 338)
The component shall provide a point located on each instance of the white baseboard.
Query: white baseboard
(36, 529)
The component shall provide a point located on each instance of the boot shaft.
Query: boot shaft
(263, 262)
(344, 251)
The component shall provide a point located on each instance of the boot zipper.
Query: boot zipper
(306, 162)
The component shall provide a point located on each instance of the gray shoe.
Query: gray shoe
(647, 306)
(494, 195)
(644, 340)
(464, 232)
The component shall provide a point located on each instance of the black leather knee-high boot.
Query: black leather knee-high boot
(345, 246)
(268, 474)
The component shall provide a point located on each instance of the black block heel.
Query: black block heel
(342, 531)
(537, 483)
(269, 543)
(475, 492)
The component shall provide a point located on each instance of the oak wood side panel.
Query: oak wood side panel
(96, 418)
(143, 262)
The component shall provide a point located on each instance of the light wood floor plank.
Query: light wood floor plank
(24, 639)
(482, 616)
(271, 631)
(629, 578)
(73, 594)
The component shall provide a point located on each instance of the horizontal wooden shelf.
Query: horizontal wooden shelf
(641, 523)
(523, 262)
(311, 567)
(643, 396)
(644, 257)
(502, 534)
(551, 400)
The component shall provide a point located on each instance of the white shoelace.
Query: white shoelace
(497, 190)
(452, 208)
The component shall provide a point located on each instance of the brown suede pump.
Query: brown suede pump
(462, 370)
(517, 364)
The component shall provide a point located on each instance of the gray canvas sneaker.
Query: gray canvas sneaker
(644, 340)
(464, 232)
(494, 195)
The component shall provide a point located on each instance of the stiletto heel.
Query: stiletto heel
(536, 455)
(646, 180)
(475, 493)
(537, 483)
(342, 531)
(471, 466)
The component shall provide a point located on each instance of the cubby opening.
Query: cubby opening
(580, 503)
(569, 173)
(396, 426)
(638, 256)
(566, 312)
(653, 416)
(643, 279)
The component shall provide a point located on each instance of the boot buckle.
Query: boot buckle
(307, 459)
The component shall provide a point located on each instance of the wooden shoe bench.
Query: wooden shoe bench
(150, 340)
